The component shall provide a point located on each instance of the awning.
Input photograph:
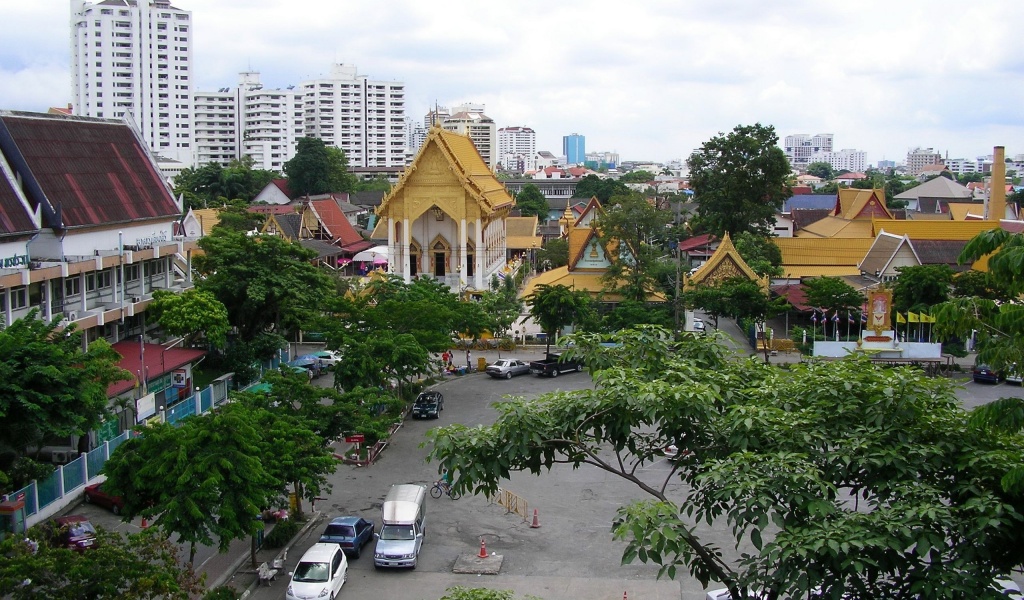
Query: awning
(377, 254)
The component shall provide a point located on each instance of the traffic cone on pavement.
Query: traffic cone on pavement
(145, 523)
(536, 521)
(483, 549)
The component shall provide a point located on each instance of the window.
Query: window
(94, 281)
(72, 287)
(131, 272)
(19, 298)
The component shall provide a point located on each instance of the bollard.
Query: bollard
(483, 549)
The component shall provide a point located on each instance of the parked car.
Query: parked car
(94, 494)
(327, 357)
(1014, 376)
(351, 533)
(75, 532)
(428, 404)
(699, 328)
(321, 572)
(506, 368)
(985, 373)
(553, 366)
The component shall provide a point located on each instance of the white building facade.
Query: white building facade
(843, 160)
(517, 149)
(800, 147)
(134, 57)
(469, 120)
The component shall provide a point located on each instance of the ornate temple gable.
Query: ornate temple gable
(852, 203)
(590, 213)
(449, 174)
(725, 263)
(586, 251)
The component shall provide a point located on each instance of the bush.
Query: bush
(224, 592)
(282, 533)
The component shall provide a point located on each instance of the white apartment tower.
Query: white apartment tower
(918, 158)
(517, 149)
(843, 160)
(364, 118)
(134, 57)
(799, 148)
(470, 120)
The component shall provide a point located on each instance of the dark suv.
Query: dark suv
(428, 404)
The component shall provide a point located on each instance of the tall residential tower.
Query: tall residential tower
(134, 57)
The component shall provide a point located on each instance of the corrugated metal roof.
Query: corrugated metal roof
(881, 253)
(333, 219)
(89, 171)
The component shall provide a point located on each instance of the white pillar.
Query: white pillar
(391, 238)
(406, 236)
(463, 265)
(478, 258)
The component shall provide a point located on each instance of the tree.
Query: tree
(202, 480)
(918, 288)
(760, 253)
(638, 176)
(832, 294)
(266, 282)
(213, 184)
(192, 314)
(140, 565)
(630, 313)
(980, 284)
(593, 186)
(49, 387)
(530, 201)
(739, 180)
(635, 228)
(234, 217)
(876, 488)
(555, 307)
(749, 304)
(318, 168)
(554, 254)
(821, 170)
(378, 183)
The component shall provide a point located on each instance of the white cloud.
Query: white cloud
(651, 80)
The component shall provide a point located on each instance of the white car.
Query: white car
(321, 572)
(328, 357)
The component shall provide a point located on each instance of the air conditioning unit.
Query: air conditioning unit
(136, 298)
(59, 457)
(71, 315)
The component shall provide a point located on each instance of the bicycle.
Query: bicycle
(443, 487)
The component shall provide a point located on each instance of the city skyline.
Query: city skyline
(653, 82)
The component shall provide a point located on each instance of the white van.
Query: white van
(321, 572)
(403, 515)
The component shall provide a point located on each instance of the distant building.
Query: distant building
(962, 166)
(800, 147)
(597, 160)
(135, 58)
(919, 157)
(415, 135)
(517, 149)
(842, 160)
(469, 120)
(574, 148)
(886, 164)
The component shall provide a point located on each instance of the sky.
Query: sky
(651, 80)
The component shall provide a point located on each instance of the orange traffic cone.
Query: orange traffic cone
(536, 521)
(483, 549)
(624, 596)
(145, 523)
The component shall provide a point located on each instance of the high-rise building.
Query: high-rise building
(799, 148)
(364, 118)
(517, 149)
(134, 57)
(919, 157)
(470, 120)
(574, 148)
(843, 160)
(415, 135)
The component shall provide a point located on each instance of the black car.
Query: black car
(985, 373)
(428, 405)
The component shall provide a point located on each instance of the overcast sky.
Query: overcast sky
(651, 80)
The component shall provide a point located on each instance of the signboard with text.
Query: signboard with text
(355, 438)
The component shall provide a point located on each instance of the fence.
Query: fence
(513, 503)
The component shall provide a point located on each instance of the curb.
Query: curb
(237, 563)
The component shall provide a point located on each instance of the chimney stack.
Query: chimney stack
(997, 185)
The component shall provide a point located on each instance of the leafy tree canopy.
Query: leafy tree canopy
(555, 307)
(877, 487)
(213, 185)
(141, 565)
(593, 186)
(530, 201)
(920, 287)
(739, 180)
(633, 226)
(760, 253)
(638, 176)
(554, 254)
(832, 294)
(379, 183)
(318, 168)
(193, 314)
(49, 387)
(821, 170)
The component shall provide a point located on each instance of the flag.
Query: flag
(913, 317)
(835, 317)
(900, 318)
(814, 317)
(927, 318)
(849, 317)
(863, 317)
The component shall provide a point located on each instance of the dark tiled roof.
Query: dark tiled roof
(366, 198)
(85, 172)
(802, 217)
(809, 201)
(321, 247)
(14, 216)
(940, 252)
(289, 225)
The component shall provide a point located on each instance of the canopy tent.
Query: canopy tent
(378, 255)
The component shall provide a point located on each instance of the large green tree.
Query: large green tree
(636, 229)
(530, 201)
(266, 282)
(873, 488)
(919, 287)
(49, 387)
(603, 189)
(739, 180)
(832, 294)
(555, 307)
(203, 479)
(141, 565)
(821, 170)
(213, 185)
(193, 315)
(318, 168)
(554, 254)
(760, 253)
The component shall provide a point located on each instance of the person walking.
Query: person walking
(469, 361)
